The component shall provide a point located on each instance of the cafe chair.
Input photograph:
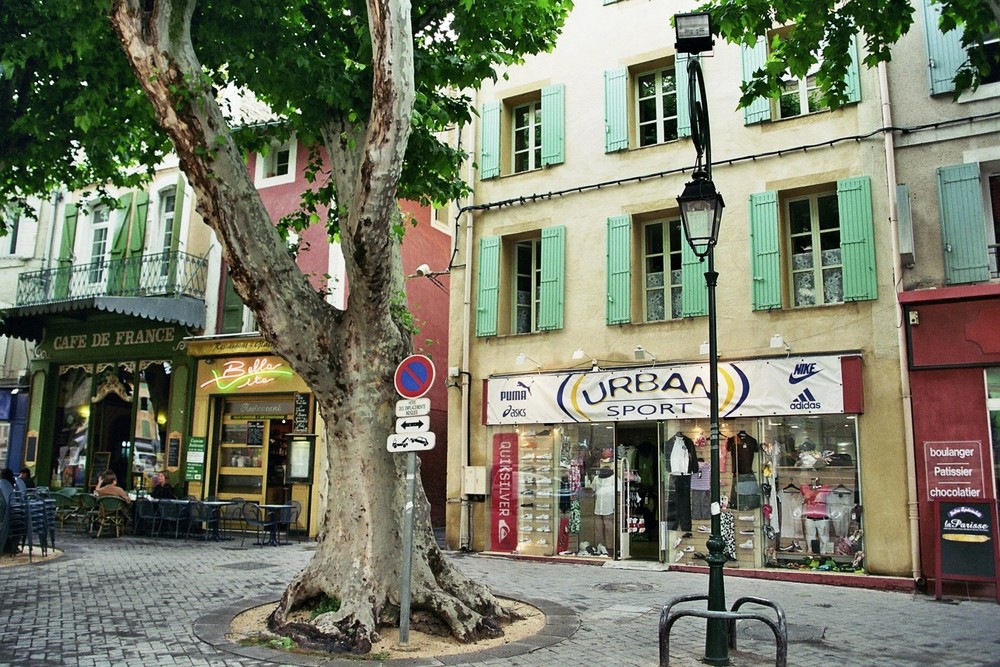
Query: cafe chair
(202, 514)
(88, 511)
(175, 512)
(112, 512)
(254, 517)
(232, 516)
(67, 506)
(145, 513)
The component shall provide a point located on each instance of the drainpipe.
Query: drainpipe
(465, 377)
(53, 220)
(904, 373)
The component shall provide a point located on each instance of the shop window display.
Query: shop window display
(811, 494)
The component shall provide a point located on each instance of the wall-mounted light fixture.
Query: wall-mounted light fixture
(641, 354)
(580, 354)
(522, 359)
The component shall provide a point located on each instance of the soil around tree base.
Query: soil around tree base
(250, 628)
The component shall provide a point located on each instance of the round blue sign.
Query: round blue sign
(414, 376)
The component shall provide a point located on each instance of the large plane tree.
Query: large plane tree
(91, 90)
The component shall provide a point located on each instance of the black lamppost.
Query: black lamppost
(701, 212)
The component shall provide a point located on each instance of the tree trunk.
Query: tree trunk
(347, 358)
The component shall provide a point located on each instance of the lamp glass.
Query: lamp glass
(701, 213)
(690, 26)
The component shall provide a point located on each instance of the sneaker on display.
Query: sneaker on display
(544, 529)
(528, 516)
(747, 545)
(677, 542)
(704, 529)
(687, 534)
(678, 556)
(688, 550)
(747, 531)
(542, 517)
(528, 456)
(543, 457)
(746, 517)
(542, 541)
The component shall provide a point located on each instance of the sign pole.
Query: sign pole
(404, 587)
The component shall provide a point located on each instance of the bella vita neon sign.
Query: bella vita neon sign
(238, 374)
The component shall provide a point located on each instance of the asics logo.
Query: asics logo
(803, 372)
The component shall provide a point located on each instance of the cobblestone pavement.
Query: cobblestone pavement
(141, 601)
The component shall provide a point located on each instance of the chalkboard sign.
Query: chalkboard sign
(300, 418)
(174, 450)
(255, 434)
(98, 464)
(31, 448)
(966, 545)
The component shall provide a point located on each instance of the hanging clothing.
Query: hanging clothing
(681, 458)
(743, 447)
(603, 484)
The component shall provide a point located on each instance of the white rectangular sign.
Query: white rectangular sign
(753, 388)
(410, 442)
(413, 424)
(413, 407)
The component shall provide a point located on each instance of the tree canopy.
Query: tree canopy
(822, 30)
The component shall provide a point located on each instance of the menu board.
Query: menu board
(98, 464)
(300, 416)
(195, 468)
(966, 546)
(174, 450)
(255, 433)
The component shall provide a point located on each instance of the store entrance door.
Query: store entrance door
(638, 503)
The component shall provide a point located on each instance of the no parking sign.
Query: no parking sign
(414, 376)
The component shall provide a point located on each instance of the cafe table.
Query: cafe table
(278, 512)
(215, 512)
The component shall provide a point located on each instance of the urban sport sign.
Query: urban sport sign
(803, 385)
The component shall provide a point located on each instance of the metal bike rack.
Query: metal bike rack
(669, 616)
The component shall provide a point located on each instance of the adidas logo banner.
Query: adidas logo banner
(753, 388)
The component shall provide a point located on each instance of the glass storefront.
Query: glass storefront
(641, 490)
(993, 405)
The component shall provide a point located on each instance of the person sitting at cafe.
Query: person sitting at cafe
(161, 489)
(107, 485)
(25, 475)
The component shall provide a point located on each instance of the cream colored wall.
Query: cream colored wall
(602, 37)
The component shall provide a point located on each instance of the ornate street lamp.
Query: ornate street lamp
(701, 212)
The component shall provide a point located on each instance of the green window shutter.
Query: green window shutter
(753, 59)
(487, 299)
(550, 309)
(175, 238)
(945, 54)
(65, 264)
(138, 238)
(857, 238)
(619, 276)
(853, 76)
(553, 125)
(963, 224)
(489, 148)
(119, 243)
(683, 103)
(232, 308)
(694, 289)
(765, 251)
(615, 110)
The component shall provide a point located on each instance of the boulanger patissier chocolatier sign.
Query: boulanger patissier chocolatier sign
(955, 471)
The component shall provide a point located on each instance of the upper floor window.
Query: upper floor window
(798, 97)
(533, 266)
(946, 55)
(11, 218)
(100, 229)
(813, 248)
(671, 281)
(656, 106)
(522, 133)
(276, 165)
(646, 105)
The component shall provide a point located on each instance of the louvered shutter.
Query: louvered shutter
(615, 110)
(945, 54)
(553, 269)
(694, 289)
(553, 125)
(119, 247)
(66, 256)
(753, 59)
(765, 251)
(232, 308)
(487, 296)
(683, 101)
(489, 149)
(963, 224)
(857, 238)
(853, 76)
(619, 270)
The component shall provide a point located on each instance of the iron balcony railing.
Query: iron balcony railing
(172, 274)
(994, 251)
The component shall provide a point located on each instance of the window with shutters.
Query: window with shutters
(520, 283)
(165, 216)
(969, 206)
(946, 55)
(646, 104)
(276, 165)
(522, 133)
(11, 218)
(798, 96)
(813, 246)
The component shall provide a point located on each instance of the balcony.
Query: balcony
(994, 255)
(166, 274)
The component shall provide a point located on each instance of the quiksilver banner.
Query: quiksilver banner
(789, 386)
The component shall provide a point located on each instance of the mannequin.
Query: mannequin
(603, 484)
(681, 462)
(817, 521)
(744, 447)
